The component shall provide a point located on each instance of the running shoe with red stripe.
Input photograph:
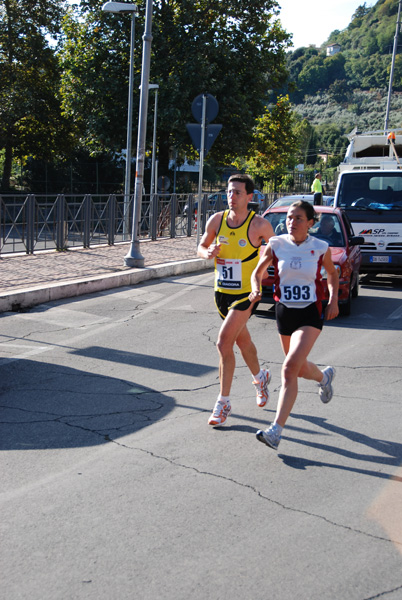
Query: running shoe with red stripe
(220, 413)
(261, 388)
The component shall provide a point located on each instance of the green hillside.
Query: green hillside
(350, 88)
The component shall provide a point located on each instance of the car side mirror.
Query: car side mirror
(356, 240)
(255, 206)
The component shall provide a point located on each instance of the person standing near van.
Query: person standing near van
(316, 188)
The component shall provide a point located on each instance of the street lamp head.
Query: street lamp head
(119, 7)
(151, 86)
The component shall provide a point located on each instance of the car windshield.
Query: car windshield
(371, 191)
(284, 201)
(328, 228)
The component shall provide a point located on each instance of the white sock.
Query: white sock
(224, 399)
(277, 428)
(324, 379)
(259, 376)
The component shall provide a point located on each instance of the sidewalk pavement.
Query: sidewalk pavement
(31, 279)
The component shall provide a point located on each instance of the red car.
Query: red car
(335, 228)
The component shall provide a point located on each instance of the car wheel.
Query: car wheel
(344, 309)
(355, 290)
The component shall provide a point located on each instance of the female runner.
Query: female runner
(298, 293)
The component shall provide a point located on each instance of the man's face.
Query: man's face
(327, 226)
(237, 195)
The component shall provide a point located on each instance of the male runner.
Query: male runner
(232, 238)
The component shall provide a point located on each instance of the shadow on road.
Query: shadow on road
(384, 451)
(47, 406)
(147, 361)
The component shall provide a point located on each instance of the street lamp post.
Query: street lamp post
(125, 8)
(154, 86)
(134, 257)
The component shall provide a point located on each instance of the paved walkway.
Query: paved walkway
(26, 280)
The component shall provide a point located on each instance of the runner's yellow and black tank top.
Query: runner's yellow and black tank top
(237, 258)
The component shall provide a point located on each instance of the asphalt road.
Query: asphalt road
(114, 486)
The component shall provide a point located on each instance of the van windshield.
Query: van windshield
(370, 191)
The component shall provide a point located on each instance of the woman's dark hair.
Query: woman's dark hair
(308, 209)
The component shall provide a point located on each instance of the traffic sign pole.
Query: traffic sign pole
(201, 171)
(204, 108)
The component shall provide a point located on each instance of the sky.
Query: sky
(312, 21)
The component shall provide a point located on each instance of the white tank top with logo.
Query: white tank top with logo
(298, 280)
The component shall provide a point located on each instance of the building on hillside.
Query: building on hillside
(333, 49)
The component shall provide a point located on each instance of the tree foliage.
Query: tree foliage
(232, 49)
(30, 115)
(365, 58)
(94, 61)
(274, 142)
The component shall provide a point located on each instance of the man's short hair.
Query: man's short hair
(243, 178)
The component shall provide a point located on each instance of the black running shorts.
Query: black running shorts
(290, 319)
(225, 302)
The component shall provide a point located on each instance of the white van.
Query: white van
(369, 190)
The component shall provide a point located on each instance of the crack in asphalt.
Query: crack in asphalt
(384, 593)
(257, 492)
(250, 487)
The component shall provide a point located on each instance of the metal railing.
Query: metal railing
(31, 223)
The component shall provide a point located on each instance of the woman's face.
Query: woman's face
(297, 223)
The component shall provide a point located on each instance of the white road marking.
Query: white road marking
(163, 301)
(63, 317)
(397, 314)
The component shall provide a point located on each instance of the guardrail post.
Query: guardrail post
(154, 215)
(173, 213)
(190, 211)
(61, 234)
(87, 221)
(30, 200)
(112, 219)
(203, 214)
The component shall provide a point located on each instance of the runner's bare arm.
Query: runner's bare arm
(258, 273)
(260, 231)
(208, 248)
(332, 308)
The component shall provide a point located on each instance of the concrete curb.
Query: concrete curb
(14, 301)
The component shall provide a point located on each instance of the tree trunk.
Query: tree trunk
(163, 155)
(8, 161)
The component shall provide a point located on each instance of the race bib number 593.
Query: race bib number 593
(297, 293)
(229, 273)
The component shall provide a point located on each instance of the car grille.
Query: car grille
(394, 246)
(391, 247)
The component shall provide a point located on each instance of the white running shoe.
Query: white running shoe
(270, 437)
(261, 388)
(220, 413)
(326, 392)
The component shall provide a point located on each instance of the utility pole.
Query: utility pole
(391, 76)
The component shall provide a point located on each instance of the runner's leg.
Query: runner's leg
(296, 347)
(229, 332)
(248, 350)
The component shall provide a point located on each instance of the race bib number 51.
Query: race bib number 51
(229, 273)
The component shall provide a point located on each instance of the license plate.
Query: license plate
(380, 259)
